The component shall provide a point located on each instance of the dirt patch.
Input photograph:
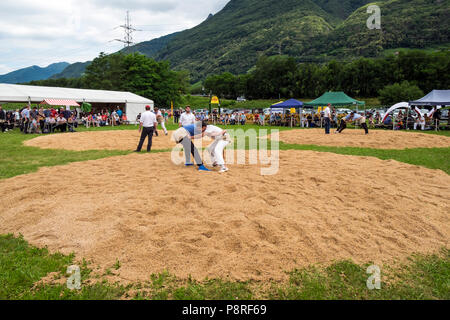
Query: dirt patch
(100, 140)
(376, 139)
(152, 215)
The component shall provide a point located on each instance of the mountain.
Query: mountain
(33, 73)
(418, 24)
(311, 31)
(234, 39)
(149, 48)
(315, 31)
(74, 70)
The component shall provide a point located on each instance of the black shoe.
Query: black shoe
(136, 151)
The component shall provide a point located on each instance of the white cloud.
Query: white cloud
(38, 32)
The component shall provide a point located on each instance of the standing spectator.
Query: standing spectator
(17, 118)
(327, 118)
(187, 118)
(138, 118)
(25, 114)
(176, 116)
(2, 119)
(67, 113)
(334, 122)
(113, 118)
(148, 124)
(437, 118)
(41, 119)
(119, 112)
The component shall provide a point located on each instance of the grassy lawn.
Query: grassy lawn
(22, 266)
(17, 159)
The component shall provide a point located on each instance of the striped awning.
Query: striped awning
(60, 102)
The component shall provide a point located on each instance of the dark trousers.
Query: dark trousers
(327, 125)
(62, 127)
(343, 126)
(146, 132)
(364, 126)
(189, 149)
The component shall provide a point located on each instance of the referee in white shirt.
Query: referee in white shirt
(187, 118)
(146, 128)
(327, 118)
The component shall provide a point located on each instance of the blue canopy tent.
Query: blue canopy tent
(291, 104)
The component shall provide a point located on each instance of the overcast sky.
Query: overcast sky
(37, 32)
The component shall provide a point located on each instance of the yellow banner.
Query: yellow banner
(214, 100)
(293, 111)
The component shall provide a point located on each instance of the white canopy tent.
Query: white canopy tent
(134, 104)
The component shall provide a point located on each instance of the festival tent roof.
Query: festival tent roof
(434, 98)
(59, 102)
(335, 99)
(292, 103)
(37, 94)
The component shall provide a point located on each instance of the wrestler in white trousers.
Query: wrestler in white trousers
(216, 151)
(163, 125)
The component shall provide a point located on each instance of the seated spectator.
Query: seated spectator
(61, 123)
(50, 124)
(388, 121)
(104, 120)
(34, 126)
(243, 119)
(420, 121)
(262, 119)
(72, 123)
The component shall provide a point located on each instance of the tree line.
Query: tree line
(129, 72)
(397, 77)
(406, 75)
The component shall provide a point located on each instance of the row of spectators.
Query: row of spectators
(42, 120)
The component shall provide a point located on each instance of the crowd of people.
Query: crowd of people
(49, 120)
(33, 120)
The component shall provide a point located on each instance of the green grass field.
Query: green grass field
(23, 266)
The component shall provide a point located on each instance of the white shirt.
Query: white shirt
(212, 130)
(148, 119)
(187, 119)
(327, 112)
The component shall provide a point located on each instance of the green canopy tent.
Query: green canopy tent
(335, 99)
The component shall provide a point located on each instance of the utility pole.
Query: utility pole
(128, 39)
